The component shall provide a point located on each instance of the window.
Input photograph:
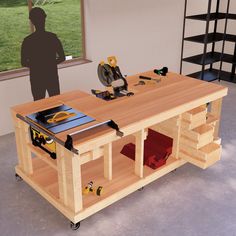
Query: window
(64, 18)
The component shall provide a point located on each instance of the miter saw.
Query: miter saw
(110, 76)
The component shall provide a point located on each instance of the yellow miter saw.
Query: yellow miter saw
(110, 75)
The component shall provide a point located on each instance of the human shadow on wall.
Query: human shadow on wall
(41, 52)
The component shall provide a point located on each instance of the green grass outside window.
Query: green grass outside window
(63, 19)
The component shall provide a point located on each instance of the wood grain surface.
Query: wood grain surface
(152, 102)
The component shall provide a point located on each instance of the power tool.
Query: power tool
(89, 188)
(110, 75)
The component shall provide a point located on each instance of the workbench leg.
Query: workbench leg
(139, 152)
(23, 152)
(216, 111)
(69, 178)
(19, 148)
(176, 139)
(108, 161)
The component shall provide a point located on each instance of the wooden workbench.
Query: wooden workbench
(176, 107)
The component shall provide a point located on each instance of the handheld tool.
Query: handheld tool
(149, 78)
(140, 83)
(90, 188)
(162, 71)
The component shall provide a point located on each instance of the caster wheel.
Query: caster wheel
(74, 226)
(173, 171)
(18, 178)
(141, 189)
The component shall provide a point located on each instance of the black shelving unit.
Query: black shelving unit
(210, 58)
(207, 58)
(229, 58)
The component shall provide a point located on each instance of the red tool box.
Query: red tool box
(157, 148)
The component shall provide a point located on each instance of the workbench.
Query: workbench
(185, 109)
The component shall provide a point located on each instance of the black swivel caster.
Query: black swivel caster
(18, 178)
(173, 171)
(141, 189)
(74, 226)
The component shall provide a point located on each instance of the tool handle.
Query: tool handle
(145, 77)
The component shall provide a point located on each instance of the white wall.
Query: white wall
(142, 34)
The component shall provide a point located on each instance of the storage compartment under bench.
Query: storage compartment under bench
(194, 117)
(203, 157)
(157, 148)
(198, 137)
(197, 144)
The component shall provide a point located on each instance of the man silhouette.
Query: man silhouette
(41, 51)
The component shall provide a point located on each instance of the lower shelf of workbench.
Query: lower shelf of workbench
(45, 181)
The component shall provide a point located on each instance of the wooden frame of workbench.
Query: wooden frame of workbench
(61, 181)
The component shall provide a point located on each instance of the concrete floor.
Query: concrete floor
(188, 202)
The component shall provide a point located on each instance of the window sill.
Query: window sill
(12, 74)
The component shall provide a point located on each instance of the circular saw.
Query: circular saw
(110, 75)
(105, 74)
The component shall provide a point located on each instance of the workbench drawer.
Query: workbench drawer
(194, 118)
(203, 157)
(198, 137)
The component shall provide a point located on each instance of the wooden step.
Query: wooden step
(204, 157)
(198, 137)
(211, 119)
(203, 153)
(194, 118)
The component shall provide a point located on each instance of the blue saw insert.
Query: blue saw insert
(59, 119)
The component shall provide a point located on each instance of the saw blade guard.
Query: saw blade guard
(111, 76)
(105, 74)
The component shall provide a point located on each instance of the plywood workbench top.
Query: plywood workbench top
(174, 95)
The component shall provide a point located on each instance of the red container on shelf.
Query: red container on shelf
(157, 148)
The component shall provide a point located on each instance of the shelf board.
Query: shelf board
(210, 58)
(122, 169)
(230, 38)
(203, 17)
(213, 75)
(212, 37)
(45, 176)
(208, 75)
(228, 58)
(198, 59)
(213, 16)
(231, 16)
(226, 76)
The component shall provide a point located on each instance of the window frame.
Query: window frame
(23, 71)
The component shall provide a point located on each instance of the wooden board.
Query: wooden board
(173, 95)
